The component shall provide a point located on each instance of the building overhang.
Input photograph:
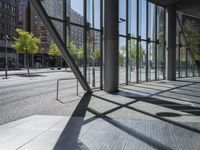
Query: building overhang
(188, 7)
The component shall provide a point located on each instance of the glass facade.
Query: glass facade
(142, 25)
(79, 24)
(142, 40)
(186, 59)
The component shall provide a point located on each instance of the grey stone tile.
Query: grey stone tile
(41, 122)
(93, 138)
(21, 139)
(162, 136)
(116, 137)
(187, 139)
(139, 136)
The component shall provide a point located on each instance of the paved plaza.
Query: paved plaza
(162, 115)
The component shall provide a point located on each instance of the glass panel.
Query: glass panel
(177, 62)
(76, 11)
(54, 8)
(191, 29)
(122, 17)
(196, 73)
(93, 55)
(142, 63)
(152, 21)
(59, 27)
(132, 49)
(76, 45)
(151, 59)
(93, 13)
(122, 56)
(142, 18)
(160, 61)
(183, 61)
(132, 16)
(190, 65)
(160, 23)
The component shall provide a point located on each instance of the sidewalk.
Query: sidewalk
(32, 71)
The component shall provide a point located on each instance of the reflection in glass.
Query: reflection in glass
(142, 18)
(160, 61)
(142, 61)
(160, 23)
(59, 27)
(122, 17)
(151, 21)
(132, 17)
(54, 8)
(177, 62)
(183, 61)
(93, 13)
(122, 60)
(93, 58)
(76, 11)
(151, 61)
(132, 50)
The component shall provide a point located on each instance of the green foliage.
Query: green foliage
(80, 53)
(53, 50)
(95, 55)
(26, 42)
(73, 51)
(121, 57)
(132, 51)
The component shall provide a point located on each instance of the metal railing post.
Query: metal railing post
(58, 81)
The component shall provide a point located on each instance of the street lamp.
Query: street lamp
(6, 57)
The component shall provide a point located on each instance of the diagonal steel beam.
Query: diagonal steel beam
(63, 49)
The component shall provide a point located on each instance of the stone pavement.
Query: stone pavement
(32, 71)
(162, 115)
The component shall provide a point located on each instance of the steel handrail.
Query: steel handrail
(65, 79)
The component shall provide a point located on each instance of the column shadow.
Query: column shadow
(69, 136)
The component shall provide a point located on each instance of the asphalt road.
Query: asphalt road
(22, 96)
(25, 96)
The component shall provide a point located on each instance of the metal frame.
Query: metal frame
(85, 26)
(85, 38)
(62, 45)
(138, 39)
(55, 35)
(101, 45)
(127, 39)
(179, 54)
(156, 47)
(147, 43)
(164, 46)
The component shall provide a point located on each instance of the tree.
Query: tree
(73, 51)
(54, 51)
(26, 43)
(95, 55)
(80, 55)
(121, 57)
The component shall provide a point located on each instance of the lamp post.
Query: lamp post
(6, 58)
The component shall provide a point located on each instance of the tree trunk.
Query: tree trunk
(57, 62)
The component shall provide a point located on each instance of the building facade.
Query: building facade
(30, 21)
(8, 24)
